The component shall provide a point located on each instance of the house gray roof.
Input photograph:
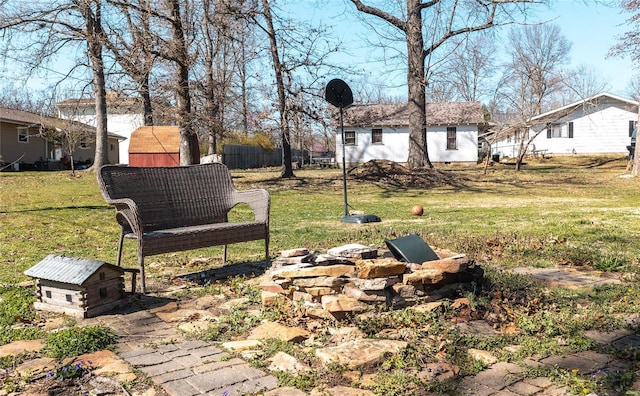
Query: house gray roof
(397, 115)
(27, 118)
(69, 270)
(556, 114)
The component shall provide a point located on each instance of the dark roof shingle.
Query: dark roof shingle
(395, 115)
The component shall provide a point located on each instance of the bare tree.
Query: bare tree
(629, 45)
(217, 57)
(44, 27)
(471, 66)
(130, 40)
(629, 42)
(447, 19)
(533, 74)
(298, 54)
(71, 136)
(581, 83)
(278, 68)
(172, 22)
(633, 88)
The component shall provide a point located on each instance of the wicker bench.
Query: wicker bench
(171, 209)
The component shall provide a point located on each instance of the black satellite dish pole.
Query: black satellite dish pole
(339, 94)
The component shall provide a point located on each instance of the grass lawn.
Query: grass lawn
(579, 212)
(575, 211)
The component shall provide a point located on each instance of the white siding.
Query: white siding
(599, 129)
(395, 145)
(604, 131)
(120, 124)
(466, 144)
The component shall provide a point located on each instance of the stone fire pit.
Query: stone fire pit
(354, 278)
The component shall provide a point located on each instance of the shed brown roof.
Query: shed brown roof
(397, 115)
(155, 139)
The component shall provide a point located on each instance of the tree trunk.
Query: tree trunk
(287, 168)
(418, 155)
(187, 148)
(243, 89)
(635, 171)
(94, 51)
(146, 102)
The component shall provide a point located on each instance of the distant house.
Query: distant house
(124, 115)
(24, 144)
(381, 131)
(601, 124)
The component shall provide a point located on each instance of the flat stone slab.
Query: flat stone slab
(586, 362)
(609, 337)
(477, 327)
(558, 277)
(496, 378)
(22, 346)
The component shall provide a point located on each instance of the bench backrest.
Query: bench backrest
(169, 197)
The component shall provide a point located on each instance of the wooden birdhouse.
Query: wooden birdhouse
(78, 287)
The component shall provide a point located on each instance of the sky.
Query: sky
(591, 27)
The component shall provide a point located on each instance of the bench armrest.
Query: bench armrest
(127, 215)
(259, 201)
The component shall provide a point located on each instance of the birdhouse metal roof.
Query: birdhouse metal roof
(69, 270)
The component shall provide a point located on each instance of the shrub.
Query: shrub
(16, 305)
(78, 340)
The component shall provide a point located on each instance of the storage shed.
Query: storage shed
(77, 287)
(157, 146)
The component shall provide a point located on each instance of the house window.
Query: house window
(84, 144)
(632, 126)
(376, 136)
(451, 138)
(560, 130)
(350, 138)
(23, 135)
(112, 147)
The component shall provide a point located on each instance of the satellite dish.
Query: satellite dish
(338, 93)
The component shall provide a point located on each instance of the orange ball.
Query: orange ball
(417, 210)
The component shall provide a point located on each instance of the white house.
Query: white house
(124, 115)
(601, 124)
(381, 131)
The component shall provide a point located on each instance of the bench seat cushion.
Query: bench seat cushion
(200, 236)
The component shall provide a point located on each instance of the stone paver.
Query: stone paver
(192, 367)
(181, 367)
(559, 277)
(498, 380)
(587, 362)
